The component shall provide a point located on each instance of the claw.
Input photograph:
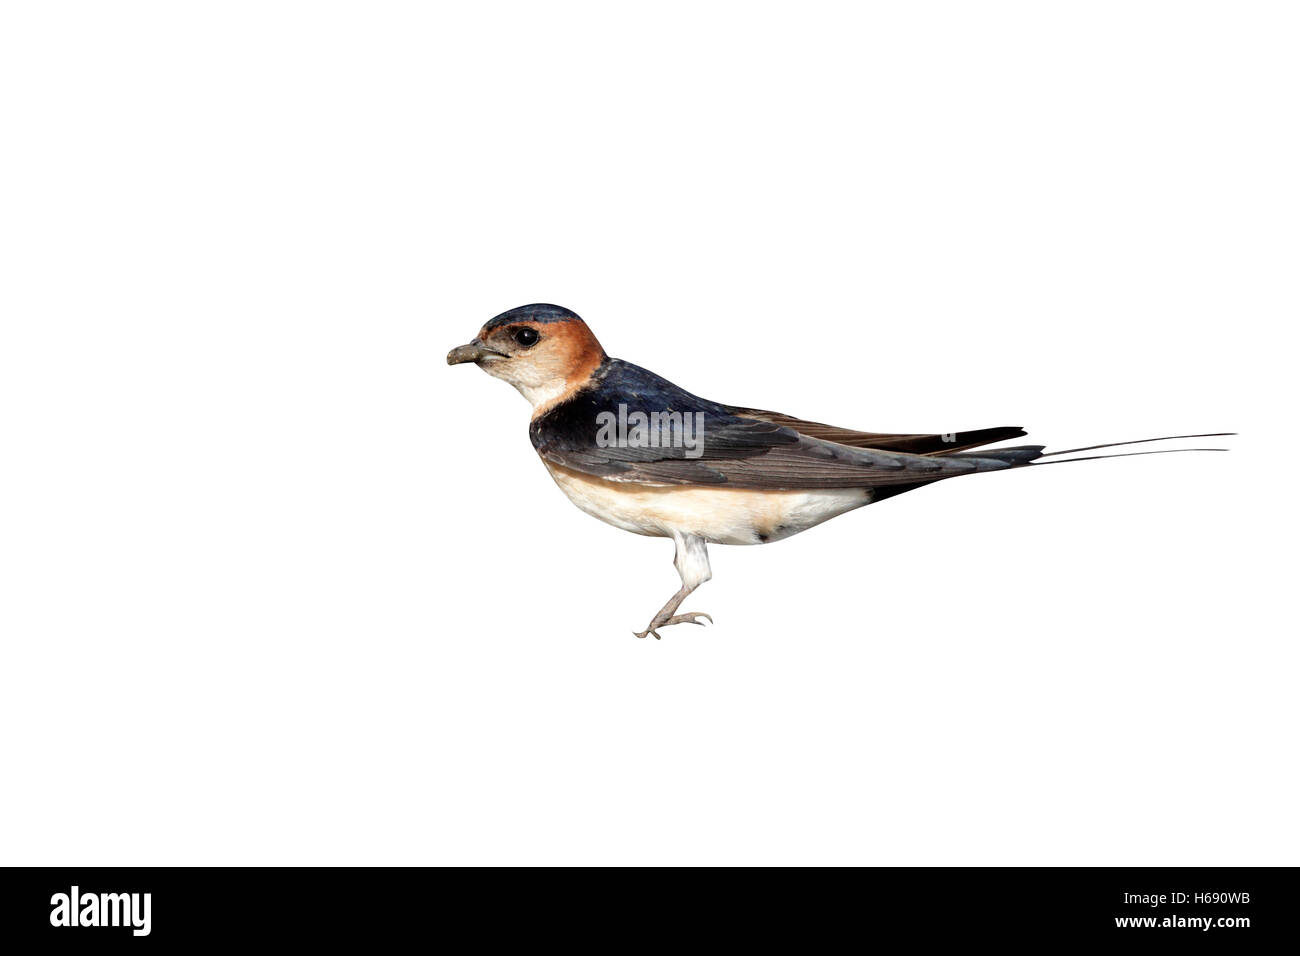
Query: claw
(653, 629)
(688, 619)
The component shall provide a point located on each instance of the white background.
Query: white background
(281, 587)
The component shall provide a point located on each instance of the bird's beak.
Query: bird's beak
(473, 352)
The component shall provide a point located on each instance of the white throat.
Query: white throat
(539, 395)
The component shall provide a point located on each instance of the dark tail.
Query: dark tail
(1130, 454)
(1033, 454)
(1018, 456)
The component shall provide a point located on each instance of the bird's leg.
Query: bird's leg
(692, 563)
(665, 617)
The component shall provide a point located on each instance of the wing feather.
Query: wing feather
(916, 444)
(738, 449)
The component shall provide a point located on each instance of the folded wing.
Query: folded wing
(912, 444)
(744, 448)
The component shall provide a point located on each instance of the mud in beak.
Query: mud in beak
(474, 352)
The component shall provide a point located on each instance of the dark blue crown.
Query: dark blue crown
(537, 312)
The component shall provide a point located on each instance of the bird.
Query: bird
(629, 447)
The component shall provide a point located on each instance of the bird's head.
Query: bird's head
(545, 351)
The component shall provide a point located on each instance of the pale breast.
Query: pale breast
(718, 515)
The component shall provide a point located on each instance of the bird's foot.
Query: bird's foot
(653, 629)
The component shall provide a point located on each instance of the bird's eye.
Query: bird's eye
(526, 336)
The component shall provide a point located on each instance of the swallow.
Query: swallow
(642, 454)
